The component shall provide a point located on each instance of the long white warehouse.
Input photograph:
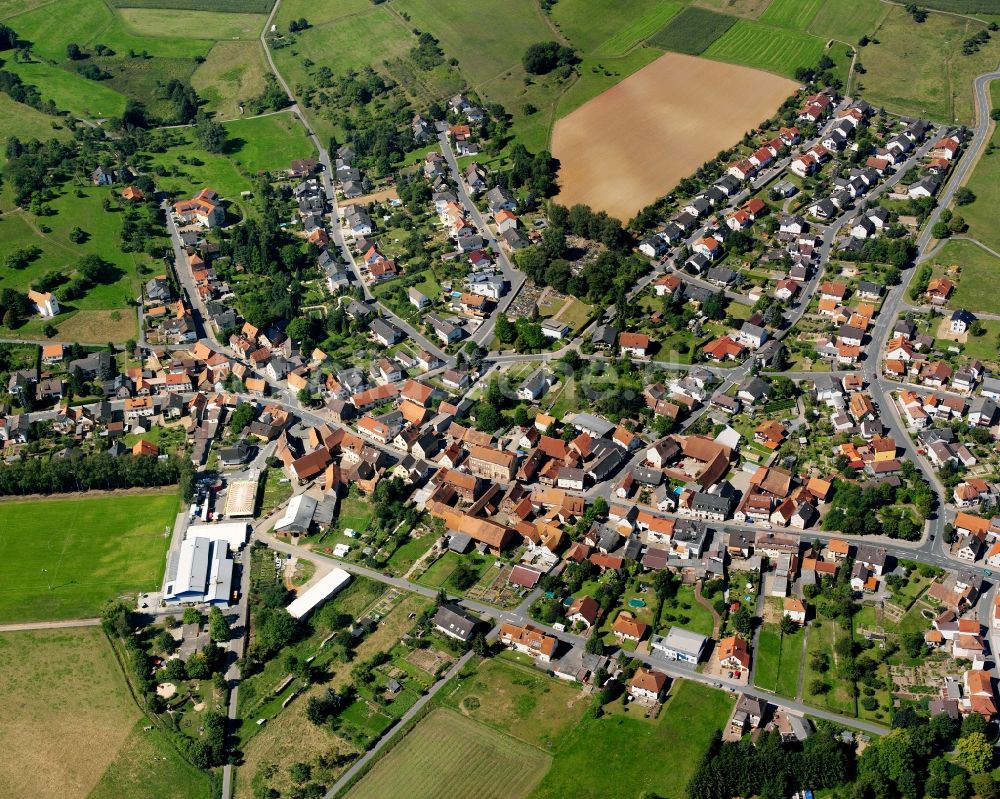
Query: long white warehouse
(319, 593)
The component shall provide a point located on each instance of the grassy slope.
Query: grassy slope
(70, 91)
(848, 20)
(63, 558)
(268, 142)
(979, 269)
(794, 14)
(920, 69)
(985, 184)
(587, 24)
(27, 123)
(64, 711)
(763, 47)
(191, 24)
(232, 72)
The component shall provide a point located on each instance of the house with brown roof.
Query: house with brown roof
(584, 611)
(647, 685)
(628, 628)
(312, 465)
(492, 464)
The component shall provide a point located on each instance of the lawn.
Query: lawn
(232, 72)
(199, 168)
(65, 711)
(978, 269)
(779, 659)
(449, 757)
(939, 78)
(793, 14)
(148, 767)
(692, 31)
(70, 91)
(440, 570)
(837, 698)
(611, 756)
(982, 347)
(355, 512)
(162, 22)
(764, 47)
(685, 606)
(267, 143)
(408, 554)
(848, 20)
(63, 558)
(519, 701)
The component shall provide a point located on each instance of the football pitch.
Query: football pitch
(63, 558)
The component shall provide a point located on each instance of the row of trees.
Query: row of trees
(91, 472)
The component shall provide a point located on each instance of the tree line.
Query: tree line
(99, 471)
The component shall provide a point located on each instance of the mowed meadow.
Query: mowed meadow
(633, 143)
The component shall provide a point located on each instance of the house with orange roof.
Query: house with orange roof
(723, 348)
(734, 653)
(143, 447)
(529, 640)
(628, 628)
(647, 685)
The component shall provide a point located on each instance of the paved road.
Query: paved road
(48, 625)
(515, 279)
(198, 311)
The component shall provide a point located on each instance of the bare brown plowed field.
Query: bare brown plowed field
(634, 142)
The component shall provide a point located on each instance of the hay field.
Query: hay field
(63, 558)
(633, 143)
(64, 712)
(450, 757)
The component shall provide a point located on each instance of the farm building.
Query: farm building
(318, 594)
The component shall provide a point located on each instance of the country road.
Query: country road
(66, 624)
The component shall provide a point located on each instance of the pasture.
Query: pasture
(70, 91)
(25, 122)
(317, 13)
(191, 24)
(848, 20)
(611, 756)
(589, 27)
(65, 712)
(519, 701)
(447, 756)
(232, 6)
(793, 14)
(692, 31)
(63, 558)
(625, 148)
(763, 47)
(232, 71)
(148, 767)
(985, 184)
(938, 82)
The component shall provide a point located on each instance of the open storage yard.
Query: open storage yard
(63, 558)
(623, 149)
(69, 728)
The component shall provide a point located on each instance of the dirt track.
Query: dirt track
(634, 142)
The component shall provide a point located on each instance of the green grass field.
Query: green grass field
(449, 757)
(267, 143)
(345, 44)
(848, 20)
(611, 756)
(70, 91)
(793, 14)
(234, 6)
(161, 22)
(985, 184)
(27, 123)
(63, 558)
(518, 701)
(58, 686)
(979, 269)
(779, 659)
(232, 72)
(148, 767)
(938, 78)
(693, 31)
(822, 635)
(317, 13)
(640, 29)
(587, 24)
(763, 47)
